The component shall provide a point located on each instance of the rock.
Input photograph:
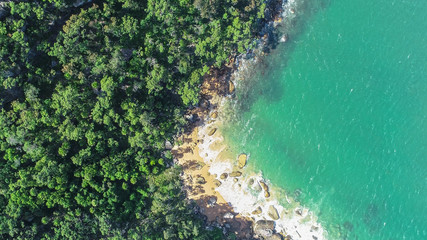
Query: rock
(272, 212)
(276, 236)
(251, 182)
(223, 176)
(264, 228)
(212, 201)
(298, 211)
(228, 215)
(217, 183)
(235, 180)
(265, 187)
(235, 174)
(214, 114)
(242, 160)
(257, 211)
(231, 87)
(200, 180)
(212, 132)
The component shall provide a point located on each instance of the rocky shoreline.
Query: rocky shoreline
(216, 178)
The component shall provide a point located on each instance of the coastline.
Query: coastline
(217, 178)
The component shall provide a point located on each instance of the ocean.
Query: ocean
(336, 116)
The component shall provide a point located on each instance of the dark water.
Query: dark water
(339, 112)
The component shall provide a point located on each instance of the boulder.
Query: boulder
(168, 145)
(214, 114)
(223, 176)
(228, 215)
(212, 201)
(235, 180)
(235, 174)
(298, 211)
(231, 87)
(272, 212)
(212, 132)
(265, 187)
(257, 211)
(276, 236)
(217, 183)
(200, 180)
(242, 159)
(264, 228)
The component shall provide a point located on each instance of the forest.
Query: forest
(90, 92)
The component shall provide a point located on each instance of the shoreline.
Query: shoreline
(217, 178)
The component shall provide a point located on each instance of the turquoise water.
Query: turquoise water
(339, 112)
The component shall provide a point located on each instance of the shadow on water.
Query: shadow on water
(264, 81)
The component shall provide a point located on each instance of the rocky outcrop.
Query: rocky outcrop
(265, 187)
(264, 228)
(235, 174)
(242, 159)
(272, 212)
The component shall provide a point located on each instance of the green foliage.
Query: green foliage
(88, 96)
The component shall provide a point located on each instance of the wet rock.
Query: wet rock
(212, 132)
(228, 215)
(217, 183)
(214, 114)
(272, 212)
(257, 211)
(265, 187)
(235, 174)
(223, 176)
(242, 160)
(231, 87)
(212, 201)
(200, 180)
(264, 228)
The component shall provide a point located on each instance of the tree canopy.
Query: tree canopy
(89, 93)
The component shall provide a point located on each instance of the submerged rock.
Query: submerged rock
(242, 159)
(264, 228)
(212, 132)
(251, 182)
(272, 212)
(235, 174)
(257, 211)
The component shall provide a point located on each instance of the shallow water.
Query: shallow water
(336, 116)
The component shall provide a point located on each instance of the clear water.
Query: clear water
(339, 112)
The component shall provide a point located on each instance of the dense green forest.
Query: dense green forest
(90, 92)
